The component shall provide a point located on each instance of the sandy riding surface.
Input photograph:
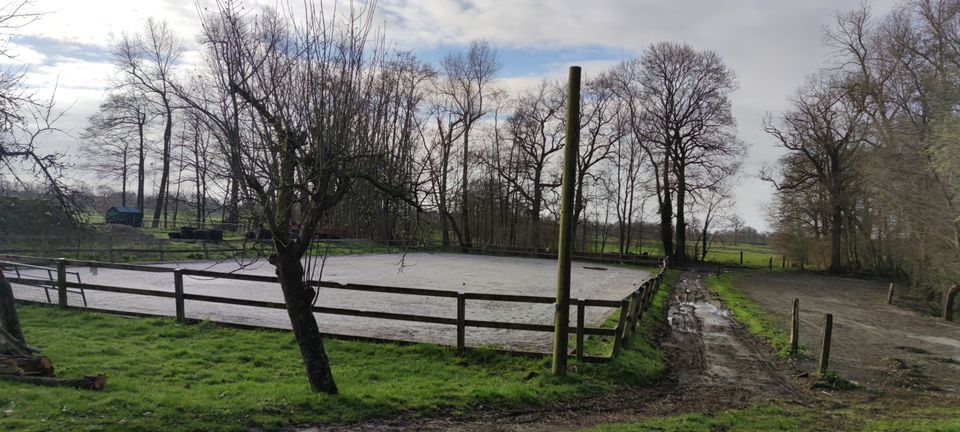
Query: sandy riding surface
(456, 272)
(876, 345)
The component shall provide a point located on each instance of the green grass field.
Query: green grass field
(168, 376)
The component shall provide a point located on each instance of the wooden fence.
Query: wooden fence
(631, 307)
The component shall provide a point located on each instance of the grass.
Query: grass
(868, 417)
(757, 321)
(170, 376)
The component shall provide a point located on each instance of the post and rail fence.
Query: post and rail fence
(631, 307)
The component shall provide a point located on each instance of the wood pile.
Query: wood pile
(22, 363)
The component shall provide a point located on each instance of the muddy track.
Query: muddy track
(714, 365)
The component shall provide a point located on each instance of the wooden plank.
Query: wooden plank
(121, 290)
(384, 289)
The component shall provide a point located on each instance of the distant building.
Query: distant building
(124, 216)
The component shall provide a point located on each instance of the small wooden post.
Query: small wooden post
(795, 327)
(62, 282)
(639, 307)
(461, 320)
(718, 271)
(824, 362)
(741, 257)
(783, 261)
(621, 323)
(160, 246)
(770, 266)
(581, 319)
(948, 302)
(890, 294)
(178, 294)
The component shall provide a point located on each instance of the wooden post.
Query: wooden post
(635, 301)
(62, 282)
(783, 262)
(948, 302)
(824, 362)
(718, 271)
(639, 307)
(621, 323)
(795, 327)
(770, 266)
(461, 320)
(570, 154)
(581, 319)
(741, 257)
(178, 294)
(890, 294)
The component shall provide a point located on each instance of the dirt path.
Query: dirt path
(880, 347)
(714, 365)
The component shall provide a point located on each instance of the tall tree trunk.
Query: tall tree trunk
(666, 212)
(9, 320)
(680, 254)
(836, 231)
(465, 210)
(165, 175)
(141, 164)
(298, 297)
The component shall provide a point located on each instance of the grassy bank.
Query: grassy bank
(164, 375)
(866, 417)
(757, 321)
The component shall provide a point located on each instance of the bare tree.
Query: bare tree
(313, 88)
(146, 62)
(825, 134)
(467, 82)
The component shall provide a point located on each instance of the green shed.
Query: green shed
(124, 216)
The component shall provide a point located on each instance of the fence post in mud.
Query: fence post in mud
(581, 319)
(770, 266)
(741, 257)
(718, 271)
(621, 323)
(795, 327)
(461, 320)
(178, 294)
(783, 262)
(62, 282)
(824, 362)
(890, 294)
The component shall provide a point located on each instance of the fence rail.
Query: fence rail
(631, 307)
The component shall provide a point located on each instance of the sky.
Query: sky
(772, 45)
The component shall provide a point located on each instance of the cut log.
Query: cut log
(86, 383)
(31, 365)
(10, 345)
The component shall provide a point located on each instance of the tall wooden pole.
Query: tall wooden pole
(570, 154)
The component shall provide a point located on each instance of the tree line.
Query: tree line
(869, 181)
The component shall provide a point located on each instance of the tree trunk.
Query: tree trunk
(9, 319)
(26, 365)
(298, 297)
(666, 212)
(836, 230)
(141, 164)
(465, 211)
(165, 174)
(86, 383)
(948, 301)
